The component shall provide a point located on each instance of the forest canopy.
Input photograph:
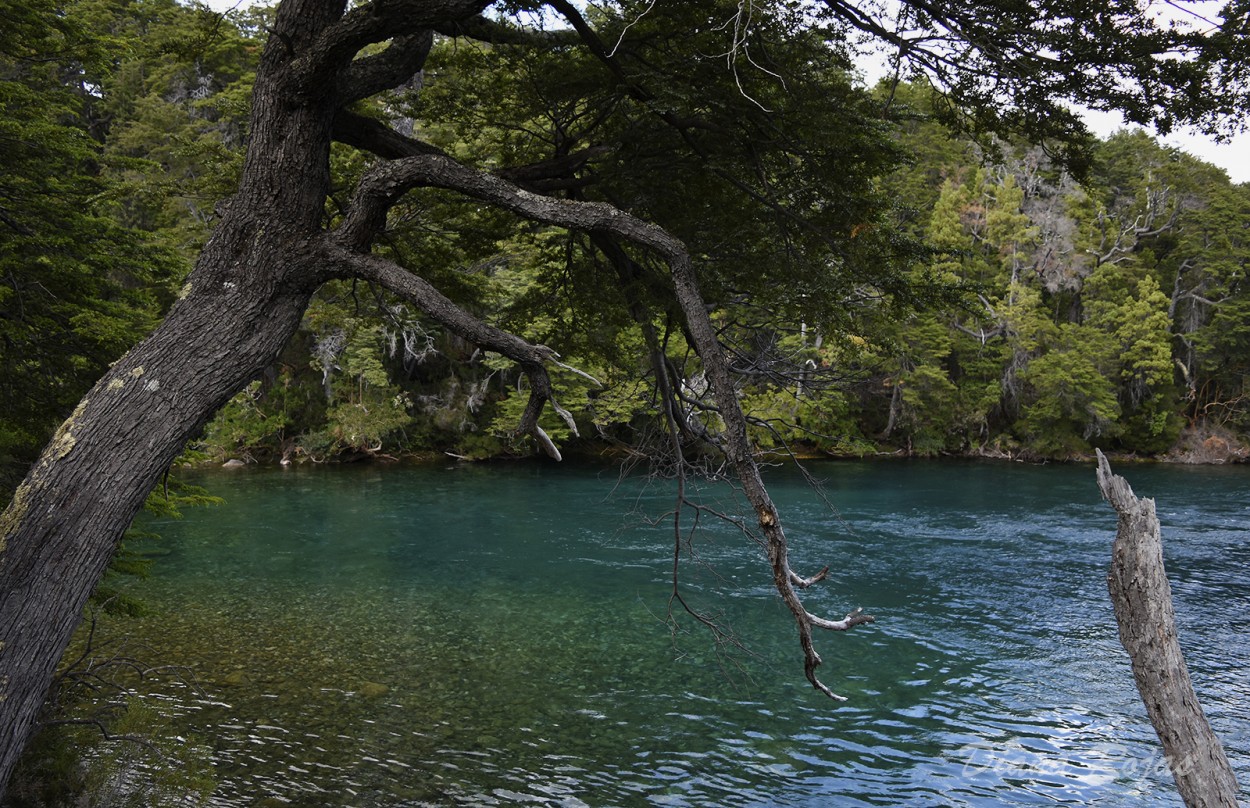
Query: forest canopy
(889, 277)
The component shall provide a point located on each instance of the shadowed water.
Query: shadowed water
(487, 635)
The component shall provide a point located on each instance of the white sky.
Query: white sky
(1233, 156)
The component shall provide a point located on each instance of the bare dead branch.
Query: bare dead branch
(386, 182)
(375, 137)
(852, 619)
(804, 583)
(1142, 600)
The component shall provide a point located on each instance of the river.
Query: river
(495, 634)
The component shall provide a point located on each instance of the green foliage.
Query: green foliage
(120, 128)
(121, 772)
(784, 180)
(1070, 338)
(76, 287)
(986, 289)
(174, 108)
(823, 421)
(1209, 265)
(1136, 322)
(244, 426)
(1070, 404)
(1027, 311)
(880, 281)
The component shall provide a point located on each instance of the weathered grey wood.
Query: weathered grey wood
(1142, 600)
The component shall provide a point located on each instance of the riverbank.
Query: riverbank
(1196, 445)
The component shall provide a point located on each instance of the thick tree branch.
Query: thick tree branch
(401, 60)
(533, 359)
(388, 181)
(375, 137)
(406, 53)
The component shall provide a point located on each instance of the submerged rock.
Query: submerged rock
(371, 690)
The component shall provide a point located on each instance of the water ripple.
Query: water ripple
(364, 639)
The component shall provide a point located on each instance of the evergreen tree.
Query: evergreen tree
(77, 287)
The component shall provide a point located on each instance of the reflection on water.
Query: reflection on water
(494, 635)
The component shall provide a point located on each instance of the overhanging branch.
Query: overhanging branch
(533, 359)
(375, 137)
(385, 183)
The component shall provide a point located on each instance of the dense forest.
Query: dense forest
(1040, 306)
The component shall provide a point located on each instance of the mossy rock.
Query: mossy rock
(371, 690)
(234, 679)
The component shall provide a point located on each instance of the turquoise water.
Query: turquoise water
(486, 634)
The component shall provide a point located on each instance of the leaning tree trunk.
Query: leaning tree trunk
(246, 297)
(66, 518)
(242, 302)
(1142, 600)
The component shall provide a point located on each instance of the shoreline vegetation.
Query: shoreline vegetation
(986, 299)
(1195, 446)
(367, 235)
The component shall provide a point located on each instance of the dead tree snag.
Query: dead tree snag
(1142, 600)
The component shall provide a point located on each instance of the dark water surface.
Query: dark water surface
(490, 635)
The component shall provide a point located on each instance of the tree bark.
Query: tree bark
(246, 297)
(1142, 600)
(243, 300)
(59, 533)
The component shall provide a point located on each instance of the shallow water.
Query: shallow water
(485, 634)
